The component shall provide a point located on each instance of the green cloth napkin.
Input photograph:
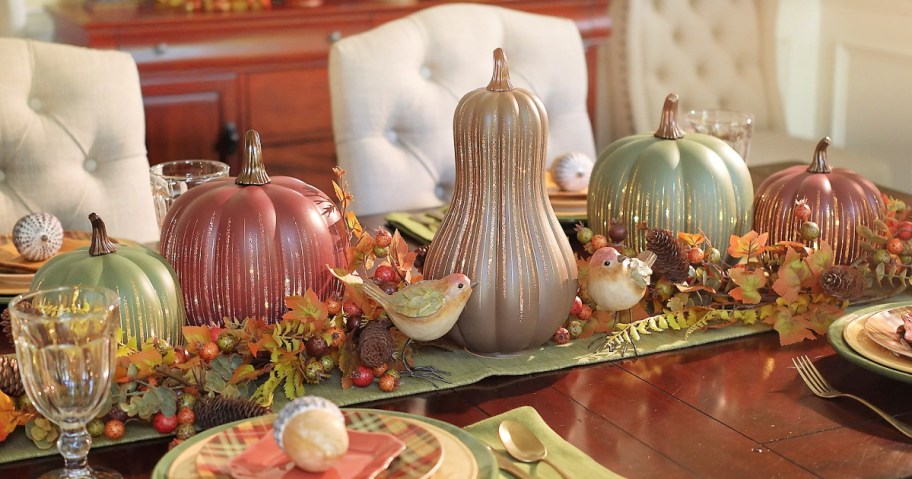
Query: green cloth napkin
(573, 461)
(419, 225)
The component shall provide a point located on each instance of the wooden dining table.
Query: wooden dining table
(735, 408)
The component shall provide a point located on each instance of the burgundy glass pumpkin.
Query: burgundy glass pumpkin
(240, 246)
(839, 200)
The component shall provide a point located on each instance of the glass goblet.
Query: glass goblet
(66, 345)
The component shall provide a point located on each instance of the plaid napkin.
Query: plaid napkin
(573, 461)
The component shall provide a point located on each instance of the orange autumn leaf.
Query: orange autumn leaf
(749, 284)
(306, 308)
(793, 272)
(146, 362)
(691, 239)
(196, 337)
(791, 329)
(747, 246)
(10, 418)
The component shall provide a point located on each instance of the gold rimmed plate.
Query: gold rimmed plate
(882, 327)
(849, 340)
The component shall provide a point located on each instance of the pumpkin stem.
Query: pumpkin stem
(820, 164)
(500, 81)
(101, 243)
(253, 172)
(668, 124)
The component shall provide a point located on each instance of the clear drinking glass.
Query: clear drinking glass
(174, 178)
(732, 127)
(66, 346)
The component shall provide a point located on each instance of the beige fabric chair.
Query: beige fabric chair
(72, 139)
(395, 89)
(713, 54)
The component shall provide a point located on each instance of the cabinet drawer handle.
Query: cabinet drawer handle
(161, 48)
(334, 37)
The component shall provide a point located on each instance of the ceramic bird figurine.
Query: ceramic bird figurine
(423, 311)
(616, 282)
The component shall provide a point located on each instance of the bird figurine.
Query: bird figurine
(616, 282)
(423, 311)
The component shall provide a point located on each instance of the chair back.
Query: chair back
(712, 53)
(395, 88)
(72, 139)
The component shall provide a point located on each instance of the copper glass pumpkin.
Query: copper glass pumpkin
(500, 229)
(683, 183)
(241, 245)
(839, 200)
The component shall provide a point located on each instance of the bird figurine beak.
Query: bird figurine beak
(621, 258)
(473, 284)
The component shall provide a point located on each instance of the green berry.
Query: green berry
(584, 235)
(95, 427)
(713, 255)
(906, 259)
(328, 362)
(313, 371)
(187, 400)
(226, 342)
(381, 252)
(575, 328)
(809, 231)
(184, 431)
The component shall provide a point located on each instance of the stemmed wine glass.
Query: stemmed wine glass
(66, 346)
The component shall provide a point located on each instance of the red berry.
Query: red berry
(209, 351)
(316, 346)
(385, 272)
(362, 376)
(186, 416)
(802, 211)
(617, 232)
(895, 245)
(336, 337)
(333, 306)
(352, 309)
(164, 424)
(585, 312)
(114, 429)
(389, 287)
(382, 238)
(904, 230)
(599, 242)
(389, 382)
(577, 306)
(695, 255)
(352, 323)
(562, 336)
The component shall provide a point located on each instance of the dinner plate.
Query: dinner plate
(860, 341)
(881, 328)
(836, 335)
(181, 461)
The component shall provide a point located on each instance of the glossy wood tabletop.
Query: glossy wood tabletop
(735, 408)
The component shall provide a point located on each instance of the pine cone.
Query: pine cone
(10, 381)
(671, 260)
(375, 345)
(6, 324)
(843, 282)
(218, 410)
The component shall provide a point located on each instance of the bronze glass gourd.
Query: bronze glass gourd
(500, 229)
(840, 199)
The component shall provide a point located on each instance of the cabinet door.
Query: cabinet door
(191, 117)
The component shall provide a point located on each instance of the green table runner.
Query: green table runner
(466, 368)
(564, 454)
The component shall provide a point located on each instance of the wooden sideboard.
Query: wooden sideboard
(208, 77)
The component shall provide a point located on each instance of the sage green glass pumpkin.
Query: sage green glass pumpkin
(671, 181)
(151, 302)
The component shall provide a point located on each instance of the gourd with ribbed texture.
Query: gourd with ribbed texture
(500, 229)
(839, 200)
(241, 245)
(151, 303)
(670, 181)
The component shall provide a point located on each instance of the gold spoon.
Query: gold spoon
(523, 445)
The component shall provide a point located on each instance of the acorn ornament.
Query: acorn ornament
(311, 430)
(38, 236)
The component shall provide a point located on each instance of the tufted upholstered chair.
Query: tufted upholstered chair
(395, 89)
(713, 54)
(72, 139)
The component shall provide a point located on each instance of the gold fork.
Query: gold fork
(821, 388)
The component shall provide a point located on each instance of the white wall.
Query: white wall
(25, 18)
(846, 71)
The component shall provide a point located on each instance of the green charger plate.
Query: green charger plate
(836, 339)
(487, 465)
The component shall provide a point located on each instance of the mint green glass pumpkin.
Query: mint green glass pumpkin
(151, 302)
(671, 181)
